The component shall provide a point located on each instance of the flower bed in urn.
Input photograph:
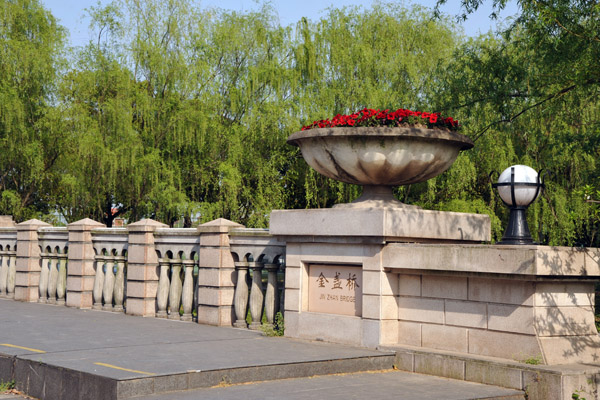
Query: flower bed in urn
(381, 149)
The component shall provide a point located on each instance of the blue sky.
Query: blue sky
(71, 13)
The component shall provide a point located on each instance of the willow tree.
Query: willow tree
(31, 135)
(111, 171)
(216, 85)
(530, 95)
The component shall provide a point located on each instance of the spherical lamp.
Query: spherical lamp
(518, 187)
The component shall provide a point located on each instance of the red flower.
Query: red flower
(372, 117)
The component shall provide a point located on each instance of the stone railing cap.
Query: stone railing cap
(32, 224)
(85, 224)
(146, 225)
(220, 225)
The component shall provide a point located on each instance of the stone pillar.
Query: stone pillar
(379, 302)
(28, 266)
(6, 221)
(81, 259)
(216, 275)
(142, 268)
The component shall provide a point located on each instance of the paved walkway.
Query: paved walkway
(58, 352)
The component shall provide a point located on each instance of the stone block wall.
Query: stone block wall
(492, 317)
(527, 319)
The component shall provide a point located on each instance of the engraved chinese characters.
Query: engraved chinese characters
(335, 289)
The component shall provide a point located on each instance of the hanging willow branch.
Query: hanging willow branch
(555, 95)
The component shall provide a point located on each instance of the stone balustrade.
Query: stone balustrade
(177, 251)
(53, 271)
(144, 269)
(8, 261)
(258, 257)
(110, 248)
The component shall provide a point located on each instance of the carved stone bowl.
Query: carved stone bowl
(379, 157)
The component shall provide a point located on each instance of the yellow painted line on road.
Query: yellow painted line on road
(123, 369)
(21, 347)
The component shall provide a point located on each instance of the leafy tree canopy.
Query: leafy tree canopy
(181, 114)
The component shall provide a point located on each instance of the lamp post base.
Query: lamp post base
(517, 231)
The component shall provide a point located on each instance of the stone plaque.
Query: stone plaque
(335, 289)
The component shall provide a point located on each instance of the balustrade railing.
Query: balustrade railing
(110, 245)
(109, 282)
(176, 293)
(8, 271)
(8, 261)
(53, 268)
(177, 250)
(53, 276)
(258, 276)
(255, 251)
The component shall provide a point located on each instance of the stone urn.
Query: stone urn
(379, 158)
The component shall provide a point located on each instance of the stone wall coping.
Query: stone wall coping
(109, 238)
(250, 232)
(499, 259)
(391, 224)
(254, 238)
(59, 234)
(53, 229)
(109, 231)
(560, 369)
(176, 231)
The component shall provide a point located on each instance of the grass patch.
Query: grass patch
(277, 329)
(537, 360)
(6, 386)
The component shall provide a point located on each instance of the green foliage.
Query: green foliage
(537, 360)
(6, 386)
(531, 96)
(181, 114)
(277, 329)
(30, 129)
(577, 395)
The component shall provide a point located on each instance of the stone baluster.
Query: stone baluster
(61, 284)
(282, 289)
(175, 289)
(109, 285)
(44, 273)
(52, 278)
(3, 272)
(119, 290)
(187, 296)
(272, 295)
(241, 294)
(98, 282)
(12, 274)
(162, 294)
(256, 295)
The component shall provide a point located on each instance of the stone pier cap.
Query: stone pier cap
(494, 259)
(382, 225)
